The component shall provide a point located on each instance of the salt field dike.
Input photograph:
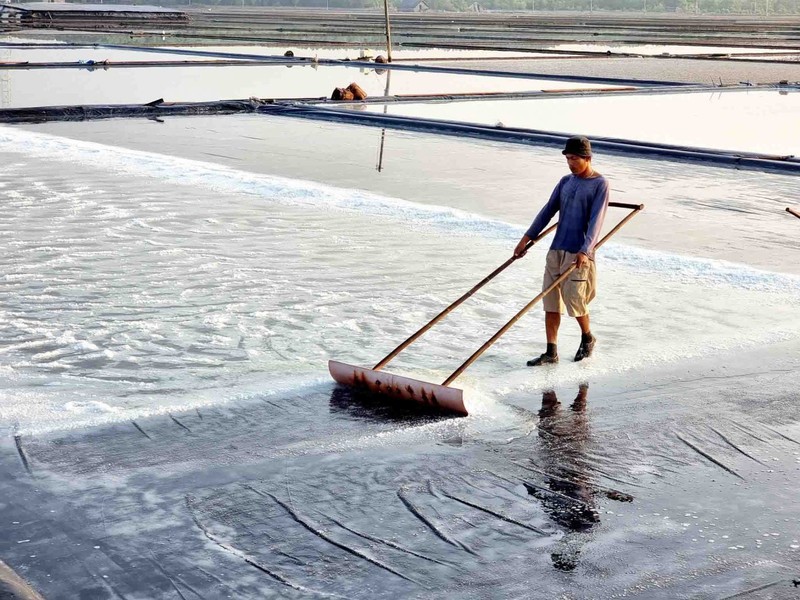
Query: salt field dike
(271, 279)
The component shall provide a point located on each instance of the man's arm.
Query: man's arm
(521, 248)
(541, 220)
(581, 260)
(597, 213)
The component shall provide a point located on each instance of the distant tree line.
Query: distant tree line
(713, 7)
(720, 7)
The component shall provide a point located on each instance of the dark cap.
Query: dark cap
(578, 145)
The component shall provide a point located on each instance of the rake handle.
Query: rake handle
(411, 339)
(635, 208)
(793, 212)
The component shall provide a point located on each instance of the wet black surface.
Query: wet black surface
(679, 484)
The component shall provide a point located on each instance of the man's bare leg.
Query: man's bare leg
(587, 339)
(552, 321)
(583, 322)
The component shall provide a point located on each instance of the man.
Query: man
(581, 199)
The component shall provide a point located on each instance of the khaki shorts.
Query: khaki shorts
(575, 292)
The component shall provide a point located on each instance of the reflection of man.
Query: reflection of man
(581, 200)
(568, 498)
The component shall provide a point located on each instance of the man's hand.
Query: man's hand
(581, 260)
(521, 248)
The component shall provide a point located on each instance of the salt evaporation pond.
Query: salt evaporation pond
(169, 300)
(199, 84)
(275, 303)
(734, 120)
(422, 168)
(99, 52)
(671, 49)
(70, 54)
(356, 52)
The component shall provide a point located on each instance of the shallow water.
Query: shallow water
(745, 121)
(200, 282)
(200, 84)
(24, 52)
(664, 49)
(667, 488)
(67, 54)
(353, 53)
(687, 214)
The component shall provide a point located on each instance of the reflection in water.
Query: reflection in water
(385, 106)
(568, 498)
(361, 404)
(91, 65)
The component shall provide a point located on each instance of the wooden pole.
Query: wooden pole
(455, 304)
(385, 107)
(388, 31)
(793, 212)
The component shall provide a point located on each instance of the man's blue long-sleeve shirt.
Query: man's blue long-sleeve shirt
(582, 205)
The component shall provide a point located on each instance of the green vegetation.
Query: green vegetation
(719, 7)
(705, 7)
